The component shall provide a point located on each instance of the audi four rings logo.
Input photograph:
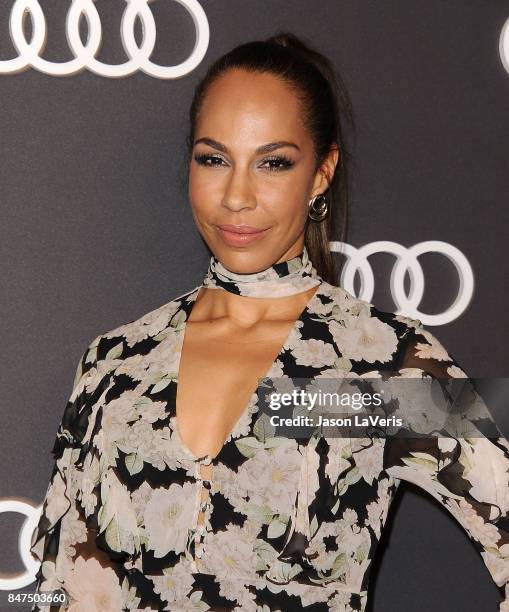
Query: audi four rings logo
(406, 260)
(29, 53)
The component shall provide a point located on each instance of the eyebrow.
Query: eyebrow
(266, 148)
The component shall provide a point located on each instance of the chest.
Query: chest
(218, 373)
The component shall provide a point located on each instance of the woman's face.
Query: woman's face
(253, 169)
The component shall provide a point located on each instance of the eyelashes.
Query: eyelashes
(281, 162)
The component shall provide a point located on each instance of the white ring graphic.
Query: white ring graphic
(406, 260)
(32, 513)
(504, 45)
(84, 54)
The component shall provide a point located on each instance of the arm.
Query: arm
(65, 538)
(469, 476)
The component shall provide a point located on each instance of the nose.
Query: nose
(238, 194)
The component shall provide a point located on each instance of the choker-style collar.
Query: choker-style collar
(279, 280)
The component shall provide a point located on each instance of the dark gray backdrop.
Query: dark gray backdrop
(96, 228)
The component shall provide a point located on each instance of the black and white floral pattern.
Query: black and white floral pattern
(281, 279)
(291, 523)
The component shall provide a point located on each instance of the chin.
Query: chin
(246, 260)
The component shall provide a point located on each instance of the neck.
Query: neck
(296, 275)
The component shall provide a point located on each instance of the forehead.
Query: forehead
(251, 105)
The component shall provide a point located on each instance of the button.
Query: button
(207, 484)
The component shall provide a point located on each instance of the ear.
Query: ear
(326, 171)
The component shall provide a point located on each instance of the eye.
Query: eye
(278, 163)
(206, 159)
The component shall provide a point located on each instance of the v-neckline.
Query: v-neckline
(187, 308)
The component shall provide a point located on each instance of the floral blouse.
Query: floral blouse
(288, 523)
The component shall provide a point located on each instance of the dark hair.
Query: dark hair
(327, 110)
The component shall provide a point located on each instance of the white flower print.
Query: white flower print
(487, 469)
(312, 458)
(433, 350)
(234, 590)
(341, 458)
(242, 425)
(93, 588)
(342, 301)
(410, 372)
(369, 460)
(149, 325)
(175, 583)
(456, 372)
(148, 445)
(74, 531)
(116, 516)
(353, 544)
(230, 554)
(374, 518)
(228, 485)
(479, 529)
(295, 336)
(161, 363)
(314, 353)
(276, 473)
(168, 516)
(365, 338)
(377, 510)
(496, 562)
(350, 516)
(57, 502)
(90, 478)
(276, 370)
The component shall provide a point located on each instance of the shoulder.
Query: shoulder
(336, 304)
(148, 325)
(365, 332)
(120, 350)
(134, 337)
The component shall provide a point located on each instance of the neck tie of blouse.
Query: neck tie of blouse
(279, 280)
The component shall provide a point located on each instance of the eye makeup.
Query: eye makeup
(212, 160)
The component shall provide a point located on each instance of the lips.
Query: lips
(240, 235)
(241, 229)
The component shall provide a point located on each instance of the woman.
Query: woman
(167, 494)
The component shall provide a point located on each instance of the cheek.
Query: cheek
(201, 210)
(288, 195)
(290, 187)
(205, 187)
(199, 193)
(198, 202)
(288, 212)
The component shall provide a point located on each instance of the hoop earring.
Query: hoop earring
(318, 207)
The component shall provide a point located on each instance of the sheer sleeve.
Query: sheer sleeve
(469, 476)
(65, 538)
